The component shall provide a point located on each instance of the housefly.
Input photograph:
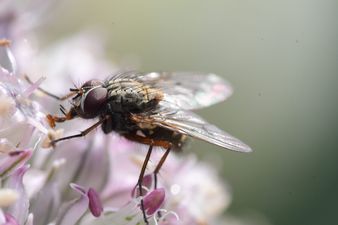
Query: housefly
(151, 108)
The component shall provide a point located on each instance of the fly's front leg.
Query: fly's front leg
(59, 119)
(67, 115)
(62, 98)
(82, 133)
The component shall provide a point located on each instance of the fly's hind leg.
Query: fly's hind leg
(157, 170)
(151, 142)
(160, 164)
(140, 181)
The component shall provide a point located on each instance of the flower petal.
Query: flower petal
(30, 219)
(33, 87)
(94, 166)
(19, 210)
(6, 146)
(12, 161)
(46, 204)
(10, 220)
(87, 163)
(130, 214)
(7, 60)
(2, 217)
(74, 210)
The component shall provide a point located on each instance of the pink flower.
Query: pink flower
(18, 18)
(89, 180)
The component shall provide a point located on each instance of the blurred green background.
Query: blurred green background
(282, 59)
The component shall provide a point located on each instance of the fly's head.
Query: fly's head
(90, 99)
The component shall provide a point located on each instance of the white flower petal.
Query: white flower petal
(19, 210)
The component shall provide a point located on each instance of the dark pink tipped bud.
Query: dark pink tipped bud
(153, 201)
(10, 220)
(95, 204)
(15, 153)
(146, 184)
(147, 180)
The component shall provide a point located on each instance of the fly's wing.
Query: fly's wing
(190, 124)
(185, 90)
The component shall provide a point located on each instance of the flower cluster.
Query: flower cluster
(88, 180)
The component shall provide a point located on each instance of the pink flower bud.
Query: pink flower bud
(153, 201)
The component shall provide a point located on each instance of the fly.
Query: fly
(152, 109)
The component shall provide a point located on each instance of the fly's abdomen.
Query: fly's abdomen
(127, 95)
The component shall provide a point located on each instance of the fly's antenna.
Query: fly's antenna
(75, 89)
(63, 110)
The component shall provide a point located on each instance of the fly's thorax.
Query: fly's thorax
(131, 96)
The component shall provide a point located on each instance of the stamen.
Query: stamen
(95, 204)
(166, 214)
(51, 136)
(33, 87)
(154, 200)
(57, 164)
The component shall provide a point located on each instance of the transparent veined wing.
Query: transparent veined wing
(185, 90)
(190, 124)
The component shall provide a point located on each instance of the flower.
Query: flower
(19, 113)
(18, 18)
(89, 180)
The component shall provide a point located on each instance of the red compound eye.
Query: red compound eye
(92, 83)
(93, 102)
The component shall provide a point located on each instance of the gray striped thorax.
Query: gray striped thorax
(132, 96)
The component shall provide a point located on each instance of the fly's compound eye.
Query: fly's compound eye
(92, 83)
(93, 101)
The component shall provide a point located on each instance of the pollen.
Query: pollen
(5, 42)
(7, 106)
(51, 136)
(8, 197)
